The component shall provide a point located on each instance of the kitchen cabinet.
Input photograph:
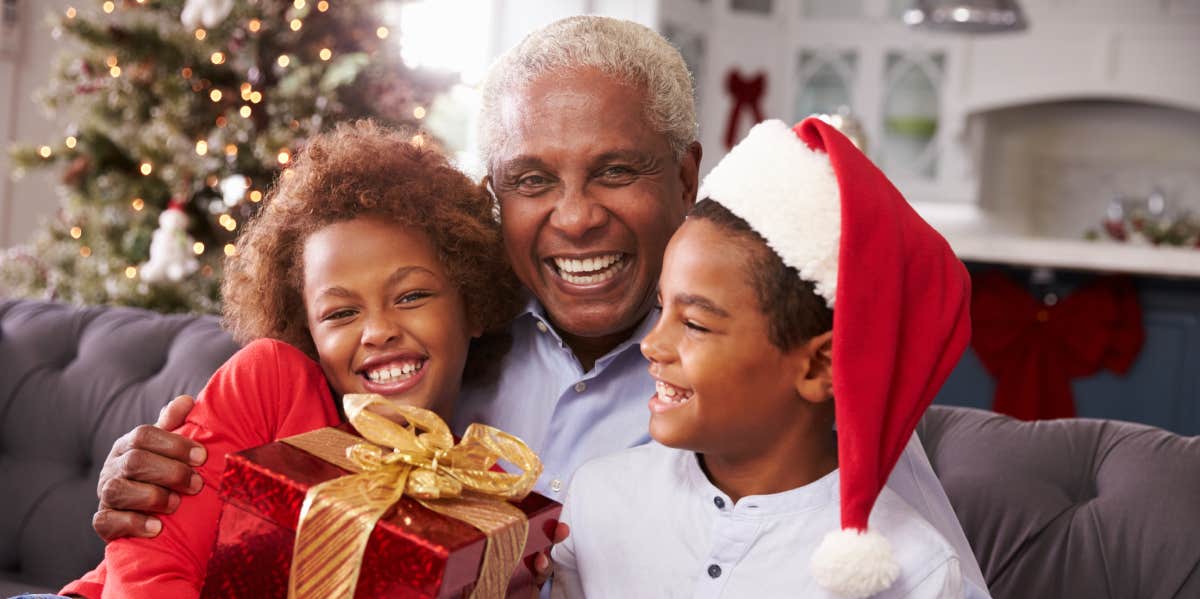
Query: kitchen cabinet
(1163, 386)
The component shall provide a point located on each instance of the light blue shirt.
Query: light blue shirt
(569, 416)
(565, 415)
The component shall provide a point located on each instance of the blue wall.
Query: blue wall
(1162, 388)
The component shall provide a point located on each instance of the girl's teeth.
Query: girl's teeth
(393, 372)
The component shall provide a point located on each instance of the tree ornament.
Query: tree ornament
(210, 13)
(171, 256)
(233, 189)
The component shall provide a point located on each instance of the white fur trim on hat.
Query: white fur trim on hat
(789, 194)
(854, 563)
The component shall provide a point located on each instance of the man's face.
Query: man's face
(589, 195)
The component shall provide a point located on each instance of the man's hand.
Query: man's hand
(542, 567)
(145, 472)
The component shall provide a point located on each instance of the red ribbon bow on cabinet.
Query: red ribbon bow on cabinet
(1033, 350)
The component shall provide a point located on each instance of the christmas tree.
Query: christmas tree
(183, 114)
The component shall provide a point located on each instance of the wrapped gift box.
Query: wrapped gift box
(412, 551)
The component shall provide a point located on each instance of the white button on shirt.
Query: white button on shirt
(647, 523)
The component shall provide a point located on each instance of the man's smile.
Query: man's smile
(583, 271)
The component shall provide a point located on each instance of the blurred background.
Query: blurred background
(1055, 143)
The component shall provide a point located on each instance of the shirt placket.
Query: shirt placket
(733, 533)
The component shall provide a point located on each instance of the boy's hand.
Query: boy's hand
(542, 566)
(145, 471)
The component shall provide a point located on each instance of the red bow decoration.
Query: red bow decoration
(747, 93)
(1034, 350)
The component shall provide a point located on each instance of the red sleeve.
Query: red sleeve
(267, 391)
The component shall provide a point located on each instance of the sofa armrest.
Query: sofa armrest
(73, 380)
(1071, 508)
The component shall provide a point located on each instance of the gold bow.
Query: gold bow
(410, 452)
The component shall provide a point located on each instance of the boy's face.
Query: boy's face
(383, 313)
(722, 386)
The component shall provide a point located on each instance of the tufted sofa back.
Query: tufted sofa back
(72, 380)
(1071, 508)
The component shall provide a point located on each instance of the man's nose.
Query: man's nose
(577, 212)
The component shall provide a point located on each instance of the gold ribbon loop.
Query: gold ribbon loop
(410, 452)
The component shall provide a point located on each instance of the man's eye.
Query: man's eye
(617, 173)
(529, 181)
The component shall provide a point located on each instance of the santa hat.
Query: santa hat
(900, 321)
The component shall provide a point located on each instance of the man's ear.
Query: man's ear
(814, 378)
(689, 173)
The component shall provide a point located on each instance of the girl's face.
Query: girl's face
(384, 315)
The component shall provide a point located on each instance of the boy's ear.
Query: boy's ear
(814, 379)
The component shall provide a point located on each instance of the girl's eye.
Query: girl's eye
(339, 314)
(695, 327)
(414, 296)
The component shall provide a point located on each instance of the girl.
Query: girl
(371, 268)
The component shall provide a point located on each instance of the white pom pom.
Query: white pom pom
(854, 564)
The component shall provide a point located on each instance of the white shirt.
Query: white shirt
(569, 416)
(647, 522)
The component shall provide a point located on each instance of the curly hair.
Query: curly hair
(362, 169)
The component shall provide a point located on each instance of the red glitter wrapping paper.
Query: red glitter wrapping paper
(412, 552)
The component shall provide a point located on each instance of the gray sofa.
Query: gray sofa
(1080, 508)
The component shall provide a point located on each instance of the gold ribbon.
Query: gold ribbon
(410, 452)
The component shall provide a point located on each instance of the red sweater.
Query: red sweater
(267, 391)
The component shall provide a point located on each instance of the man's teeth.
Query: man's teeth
(589, 270)
(672, 394)
(394, 372)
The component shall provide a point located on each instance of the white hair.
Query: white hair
(624, 50)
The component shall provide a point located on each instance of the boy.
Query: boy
(745, 494)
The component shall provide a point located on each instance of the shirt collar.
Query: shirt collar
(534, 314)
(814, 495)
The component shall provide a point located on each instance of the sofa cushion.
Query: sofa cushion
(73, 380)
(1071, 508)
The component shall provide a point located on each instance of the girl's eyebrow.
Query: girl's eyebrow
(397, 276)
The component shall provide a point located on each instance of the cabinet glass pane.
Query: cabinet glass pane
(896, 8)
(831, 9)
(762, 7)
(910, 113)
(691, 46)
(824, 82)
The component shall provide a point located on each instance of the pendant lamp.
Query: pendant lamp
(966, 16)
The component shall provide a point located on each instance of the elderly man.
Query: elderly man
(588, 133)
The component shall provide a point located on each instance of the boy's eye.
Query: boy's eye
(695, 327)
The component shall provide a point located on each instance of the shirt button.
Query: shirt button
(580, 387)
(556, 485)
(720, 503)
(714, 571)
(541, 326)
